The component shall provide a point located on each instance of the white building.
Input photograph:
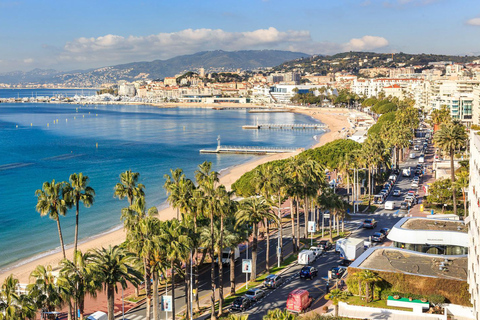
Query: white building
(473, 222)
(127, 89)
(476, 105)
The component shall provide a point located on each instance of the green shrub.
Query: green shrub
(436, 299)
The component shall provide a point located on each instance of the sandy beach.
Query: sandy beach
(335, 119)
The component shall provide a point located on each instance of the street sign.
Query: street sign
(247, 265)
(167, 303)
(326, 216)
(311, 226)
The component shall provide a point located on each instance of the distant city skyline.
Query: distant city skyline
(69, 35)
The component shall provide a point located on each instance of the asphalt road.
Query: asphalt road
(277, 298)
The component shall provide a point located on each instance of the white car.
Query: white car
(414, 184)
(317, 251)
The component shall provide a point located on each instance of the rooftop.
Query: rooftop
(428, 224)
(410, 262)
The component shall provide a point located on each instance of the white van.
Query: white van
(98, 315)
(421, 160)
(389, 205)
(306, 257)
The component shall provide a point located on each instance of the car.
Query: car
(385, 231)
(369, 223)
(255, 294)
(337, 272)
(241, 304)
(377, 237)
(392, 178)
(416, 179)
(416, 148)
(397, 193)
(345, 263)
(404, 205)
(273, 281)
(384, 192)
(317, 251)
(308, 272)
(414, 184)
(325, 245)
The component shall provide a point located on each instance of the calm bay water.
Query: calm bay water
(28, 93)
(145, 139)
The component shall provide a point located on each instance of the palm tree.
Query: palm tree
(207, 182)
(79, 191)
(51, 201)
(336, 295)
(172, 185)
(279, 193)
(44, 289)
(129, 187)
(78, 271)
(462, 183)
(328, 200)
(174, 244)
(449, 138)
(277, 314)
(9, 299)
(233, 236)
(112, 267)
(368, 277)
(253, 211)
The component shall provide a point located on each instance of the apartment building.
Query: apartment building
(473, 222)
(476, 105)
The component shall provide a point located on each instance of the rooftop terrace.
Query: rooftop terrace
(436, 225)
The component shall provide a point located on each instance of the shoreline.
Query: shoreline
(338, 127)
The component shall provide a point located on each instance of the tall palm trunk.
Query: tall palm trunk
(452, 169)
(267, 249)
(292, 218)
(220, 269)
(212, 270)
(195, 279)
(148, 286)
(173, 289)
(369, 186)
(110, 302)
(254, 252)
(61, 237)
(465, 212)
(280, 228)
(232, 271)
(298, 222)
(188, 285)
(77, 213)
(156, 310)
(69, 316)
(305, 216)
(348, 186)
(330, 226)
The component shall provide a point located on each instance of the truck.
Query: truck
(306, 257)
(99, 315)
(389, 205)
(406, 172)
(226, 255)
(351, 248)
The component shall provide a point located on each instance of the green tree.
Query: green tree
(336, 295)
(462, 183)
(449, 138)
(368, 278)
(11, 303)
(43, 289)
(253, 211)
(51, 201)
(113, 267)
(79, 192)
(128, 187)
(277, 314)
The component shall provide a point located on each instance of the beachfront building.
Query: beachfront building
(373, 87)
(473, 222)
(429, 235)
(476, 105)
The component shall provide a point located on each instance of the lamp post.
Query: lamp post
(246, 273)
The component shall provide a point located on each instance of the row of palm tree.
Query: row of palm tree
(56, 198)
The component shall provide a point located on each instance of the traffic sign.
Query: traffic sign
(167, 303)
(311, 226)
(247, 265)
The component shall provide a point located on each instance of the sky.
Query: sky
(72, 35)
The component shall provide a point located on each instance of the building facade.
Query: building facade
(473, 221)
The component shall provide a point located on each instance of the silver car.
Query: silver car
(255, 294)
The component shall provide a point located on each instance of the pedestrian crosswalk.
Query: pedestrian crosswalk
(134, 317)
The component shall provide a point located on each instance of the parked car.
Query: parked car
(337, 272)
(392, 178)
(369, 223)
(378, 237)
(404, 205)
(345, 263)
(241, 304)
(385, 231)
(414, 184)
(325, 245)
(416, 148)
(308, 272)
(397, 193)
(255, 294)
(273, 281)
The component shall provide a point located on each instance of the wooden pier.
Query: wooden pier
(297, 126)
(249, 150)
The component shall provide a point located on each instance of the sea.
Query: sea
(41, 142)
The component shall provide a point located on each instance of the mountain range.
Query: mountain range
(158, 69)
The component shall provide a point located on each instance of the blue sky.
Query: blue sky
(69, 35)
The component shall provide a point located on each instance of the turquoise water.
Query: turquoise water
(27, 93)
(145, 139)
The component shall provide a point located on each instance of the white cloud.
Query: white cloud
(27, 61)
(474, 22)
(396, 3)
(112, 49)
